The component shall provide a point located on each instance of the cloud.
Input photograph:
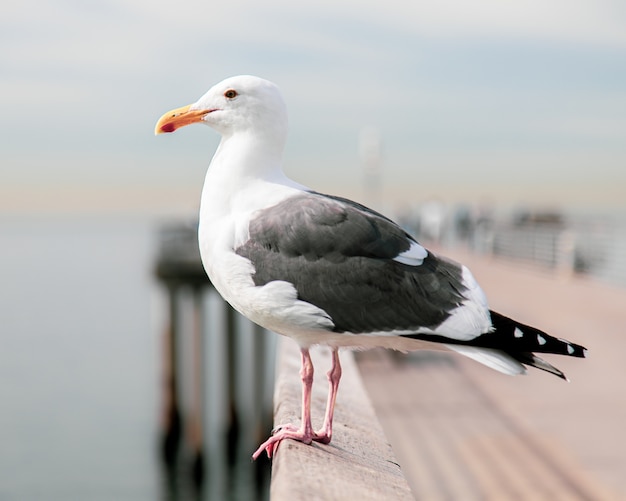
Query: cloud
(581, 21)
(85, 79)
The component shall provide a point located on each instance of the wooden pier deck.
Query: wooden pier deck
(463, 431)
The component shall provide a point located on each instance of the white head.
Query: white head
(242, 104)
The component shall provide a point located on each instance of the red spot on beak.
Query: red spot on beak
(168, 127)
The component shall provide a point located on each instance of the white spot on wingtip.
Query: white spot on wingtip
(541, 340)
(414, 256)
(518, 333)
(570, 349)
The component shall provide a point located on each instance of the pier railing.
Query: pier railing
(594, 248)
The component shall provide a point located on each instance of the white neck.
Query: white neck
(245, 155)
(242, 163)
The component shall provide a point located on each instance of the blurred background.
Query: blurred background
(448, 115)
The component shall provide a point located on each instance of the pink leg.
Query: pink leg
(325, 433)
(305, 432)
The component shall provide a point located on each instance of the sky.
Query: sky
(490, 100)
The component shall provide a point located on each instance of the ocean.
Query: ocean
(79, 359)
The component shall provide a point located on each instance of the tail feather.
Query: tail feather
(509, 346)
(534, 361)
(514, 337)
(494, 359)
(519, 341)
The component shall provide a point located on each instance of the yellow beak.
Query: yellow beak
(175, 119)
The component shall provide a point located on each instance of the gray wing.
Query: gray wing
(342, 258)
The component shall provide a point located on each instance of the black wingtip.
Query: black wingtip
(575, 350)
(513, 336)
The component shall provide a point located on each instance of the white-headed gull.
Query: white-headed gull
(324, 270)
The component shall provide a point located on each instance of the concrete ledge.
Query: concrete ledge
(357, 464)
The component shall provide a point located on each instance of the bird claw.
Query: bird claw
(284, 427)
(280, 433)
(322, 437)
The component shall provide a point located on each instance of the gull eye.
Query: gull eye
(230, 94)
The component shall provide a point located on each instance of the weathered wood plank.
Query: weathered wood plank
(582, 422)
(455, 442)
(357, 464)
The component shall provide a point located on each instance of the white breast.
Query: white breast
(224, 226)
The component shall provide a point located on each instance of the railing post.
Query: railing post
(232, 378)
(197, 410)
(170, 418)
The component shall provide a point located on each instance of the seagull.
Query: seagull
(324, 270)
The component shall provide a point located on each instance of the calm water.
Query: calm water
(79, 360)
